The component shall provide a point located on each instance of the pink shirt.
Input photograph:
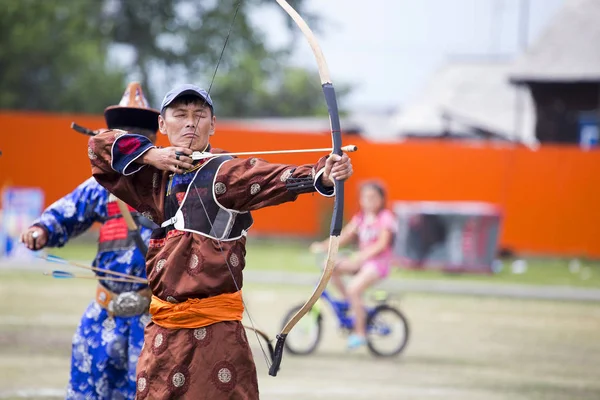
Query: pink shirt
(370, 229)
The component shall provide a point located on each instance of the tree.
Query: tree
(60, 54)
(188, 36)
(268, 89)
(53, 58)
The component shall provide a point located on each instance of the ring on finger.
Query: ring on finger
(177, 157)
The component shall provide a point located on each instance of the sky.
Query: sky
(387, 49)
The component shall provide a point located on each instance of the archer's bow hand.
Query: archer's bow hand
(336, 167)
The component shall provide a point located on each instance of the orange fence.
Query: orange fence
(550, 197)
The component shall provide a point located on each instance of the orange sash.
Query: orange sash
(196, 313)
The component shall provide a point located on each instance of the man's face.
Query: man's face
(188, 124)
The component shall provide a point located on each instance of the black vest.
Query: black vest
(200, 212)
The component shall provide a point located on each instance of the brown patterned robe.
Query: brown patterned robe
(213, 362)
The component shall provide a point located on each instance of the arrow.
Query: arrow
(81, 129)
(59, 260)
(58, 274)
(198, 155)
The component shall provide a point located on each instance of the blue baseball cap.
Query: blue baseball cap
(183, 90)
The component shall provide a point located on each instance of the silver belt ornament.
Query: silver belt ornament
(128, 304)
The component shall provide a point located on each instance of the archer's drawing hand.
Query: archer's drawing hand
(336, 167)
(174, 159)
(34, 238)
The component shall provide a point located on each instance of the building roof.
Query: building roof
(567, 50)
(477, 96)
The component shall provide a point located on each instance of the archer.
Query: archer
(195, 345)
(108, 339)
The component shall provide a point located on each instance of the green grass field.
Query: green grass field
(268, 255)
(461, 347)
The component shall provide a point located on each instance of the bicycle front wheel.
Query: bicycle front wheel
(387, 331)
(305, 336)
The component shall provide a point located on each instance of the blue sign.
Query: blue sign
(20, 207)
(589, 131)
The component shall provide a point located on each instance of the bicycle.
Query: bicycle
(377, 327)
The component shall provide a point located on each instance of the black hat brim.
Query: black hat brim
(118, 117)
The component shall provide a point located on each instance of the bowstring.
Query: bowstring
(237, 8)
(268, 362)
(237, 287)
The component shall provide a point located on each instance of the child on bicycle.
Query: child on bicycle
(373, 227)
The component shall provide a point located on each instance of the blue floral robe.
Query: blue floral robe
(105, 350)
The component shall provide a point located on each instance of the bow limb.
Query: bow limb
(338, 209)
(132, 227)
(83, 130)
(264, 336)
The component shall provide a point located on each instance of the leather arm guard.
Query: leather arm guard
(299, 185)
